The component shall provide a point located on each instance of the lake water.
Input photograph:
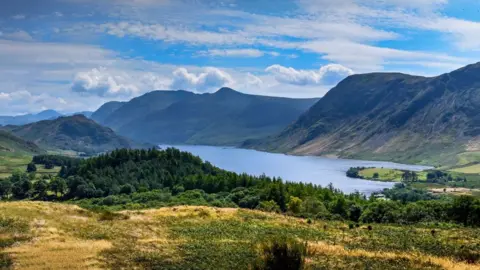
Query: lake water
(307, 169)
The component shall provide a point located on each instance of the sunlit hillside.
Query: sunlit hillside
(41, 235)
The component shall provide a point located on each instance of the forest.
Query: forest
(136, 179)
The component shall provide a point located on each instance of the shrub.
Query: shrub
(108, 215)
(281, 254)
(269, 206)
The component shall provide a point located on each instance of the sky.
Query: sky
(74, 55)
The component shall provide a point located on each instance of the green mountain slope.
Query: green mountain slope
(76, 133)
(226, 117)
(10, 143)
(105, 110)
(390, 116)
(143, 105)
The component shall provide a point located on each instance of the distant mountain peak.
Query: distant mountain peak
(226, 91)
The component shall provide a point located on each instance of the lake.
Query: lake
(307, 169)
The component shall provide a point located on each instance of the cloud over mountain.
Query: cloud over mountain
(327, 75)
(209, 79)
(101, 83)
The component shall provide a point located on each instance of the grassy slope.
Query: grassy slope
(9, 163)
(68, 237)
(468, 169)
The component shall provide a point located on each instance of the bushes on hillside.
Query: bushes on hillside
(285, 254)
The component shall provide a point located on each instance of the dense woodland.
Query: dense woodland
(134, 179)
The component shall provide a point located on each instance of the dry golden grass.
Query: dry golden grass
(58, 253)
(338, 250)
(65, 236)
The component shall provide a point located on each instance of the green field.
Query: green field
(475, 168)
(12, 162)
(387, 175)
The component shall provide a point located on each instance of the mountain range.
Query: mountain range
(389, 116)
(226, 117)
(77, 133)
(31, 118)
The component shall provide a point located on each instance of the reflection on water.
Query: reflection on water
(317, 170)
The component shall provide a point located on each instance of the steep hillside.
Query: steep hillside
(10, 143)
(29, 118)
(105, 110)
(390, 116)
(226, 117)
(143, 105)
(76, 133)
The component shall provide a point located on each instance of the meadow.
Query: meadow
(14, 162)
(46, 235)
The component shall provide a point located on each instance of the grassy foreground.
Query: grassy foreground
(41, 235)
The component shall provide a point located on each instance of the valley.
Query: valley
(204, 199)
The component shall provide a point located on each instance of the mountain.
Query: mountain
(29, 118)
(105, 110)
(13, 144)
(87, 114)
(390, 116)
(76, 133)
(143, 105)
(226, 117)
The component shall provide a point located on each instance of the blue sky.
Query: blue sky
(73, 55)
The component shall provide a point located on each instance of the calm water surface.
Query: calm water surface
(317, 170)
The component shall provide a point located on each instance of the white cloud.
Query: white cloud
(253, 53)
(365, 58)
(327, 75)
(102, 83)
(253, 80)
(207, 80)
(18, 35)
(174, 34)
(18, 17)
(22, 101)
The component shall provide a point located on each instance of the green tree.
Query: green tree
(5, 188)
(22, 189)
(463, 208)
(31, 167)
(376, 175)
(40, 188)
(58, 185)
(269, 206)
(294, 205)
(127, 189)
(49, 165)
(312, 206)
(340, 207)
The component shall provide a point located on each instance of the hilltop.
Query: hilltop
(226, 117)
(390, 116)
(76, 133)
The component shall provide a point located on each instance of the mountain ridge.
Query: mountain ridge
(389, 116)
(225, 117)
(28, 118)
